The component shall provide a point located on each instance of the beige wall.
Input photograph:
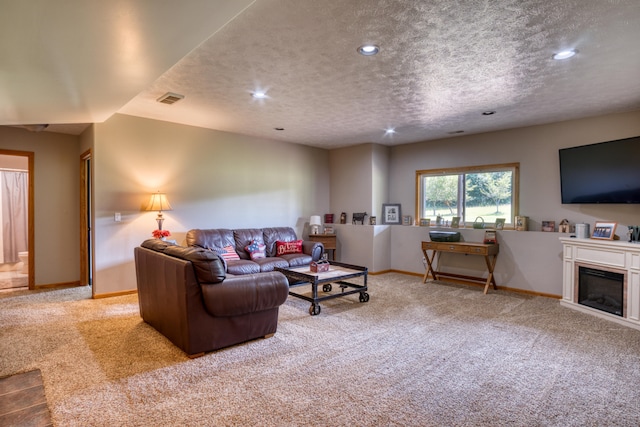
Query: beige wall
(359, 179)
(536, 149)
(212, 179)
(56, 200)
(271, 183)
(528, 260)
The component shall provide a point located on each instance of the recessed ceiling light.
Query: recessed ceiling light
(278, 128)
(565, 54)
(259, 94)
(488, 113)
(368, 49)
(389, 131)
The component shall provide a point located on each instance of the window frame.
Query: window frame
(500, 167)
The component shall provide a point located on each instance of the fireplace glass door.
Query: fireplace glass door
(602, 290)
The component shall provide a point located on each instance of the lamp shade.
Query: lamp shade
(159, 202)
(315, 220)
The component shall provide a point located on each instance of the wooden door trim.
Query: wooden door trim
(84, 224)
(30, 212)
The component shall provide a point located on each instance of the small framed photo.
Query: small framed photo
(500, 223)
(328, 230)
(548, 226)
(604, 230)
(372, 220)
(406, 220)
(425, 222)
(455, 222)
(391, 213)
(490, 237)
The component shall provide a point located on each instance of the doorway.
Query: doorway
(86, 221)
(16, 208)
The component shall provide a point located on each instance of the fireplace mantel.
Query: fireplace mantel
(608, 255)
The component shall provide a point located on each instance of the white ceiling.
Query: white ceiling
(441, 64)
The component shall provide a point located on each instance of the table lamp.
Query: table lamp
(159, 202)
(315, 224)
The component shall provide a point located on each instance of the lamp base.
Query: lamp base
(315, 229)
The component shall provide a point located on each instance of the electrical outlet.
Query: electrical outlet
(117, 217)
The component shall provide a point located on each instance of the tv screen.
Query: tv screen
(608, 172)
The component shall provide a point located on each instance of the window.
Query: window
(488, 192)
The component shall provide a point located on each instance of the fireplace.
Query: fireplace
(602, 278)
(601, 289)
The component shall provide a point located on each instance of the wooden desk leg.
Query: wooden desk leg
(429, 269)
(491, 263)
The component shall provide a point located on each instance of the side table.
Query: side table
(488, 251)
(328, 241)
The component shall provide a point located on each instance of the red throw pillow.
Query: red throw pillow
(293, 247)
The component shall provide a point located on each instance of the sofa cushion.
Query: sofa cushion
(243, 266)
(210, 238)
(246, 294)
(297, 260)
(292, 247)
(206, 264)
(156, 244)
(256, 250)
(269, 263)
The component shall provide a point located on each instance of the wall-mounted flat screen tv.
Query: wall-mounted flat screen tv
(608, 172)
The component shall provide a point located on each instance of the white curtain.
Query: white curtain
(14, 214)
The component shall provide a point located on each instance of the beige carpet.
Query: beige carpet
(414, 355)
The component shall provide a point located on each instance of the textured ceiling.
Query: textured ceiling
(441, 64)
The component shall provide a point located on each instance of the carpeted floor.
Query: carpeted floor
(414, 355)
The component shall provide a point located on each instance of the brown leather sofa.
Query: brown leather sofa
(186, 295)
(274, 239)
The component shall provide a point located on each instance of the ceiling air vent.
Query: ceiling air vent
(170, 98)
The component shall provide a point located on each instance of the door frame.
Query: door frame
(30, 212)
(86, 224)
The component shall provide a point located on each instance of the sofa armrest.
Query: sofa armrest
(315, 249)
(245, 294)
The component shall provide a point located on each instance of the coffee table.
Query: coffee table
(338, 273)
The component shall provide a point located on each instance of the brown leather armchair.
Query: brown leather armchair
(185, 295)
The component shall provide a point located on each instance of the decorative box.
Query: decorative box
(319, 266)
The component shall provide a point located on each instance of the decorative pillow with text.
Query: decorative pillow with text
(293, 247)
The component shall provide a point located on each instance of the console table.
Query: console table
(489, 251)
(327, 240)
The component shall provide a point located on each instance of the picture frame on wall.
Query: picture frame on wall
(604, 230)
(391, 213)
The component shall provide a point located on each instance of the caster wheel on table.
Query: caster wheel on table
(364, 297)
(326, 288)
(314, 310)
